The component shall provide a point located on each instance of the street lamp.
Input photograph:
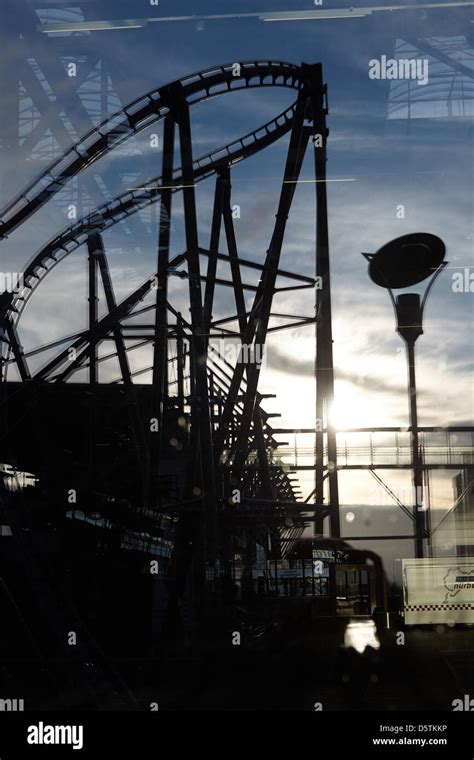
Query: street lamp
(402, 263)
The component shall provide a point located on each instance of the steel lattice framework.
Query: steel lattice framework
(220, 402)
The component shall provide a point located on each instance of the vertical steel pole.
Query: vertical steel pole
(200, 416)
(409, 314)
(160, 350)
(324, 353)
(159, 389)
(180, 361)
(93, 309)
(416, 457)
(93, 374)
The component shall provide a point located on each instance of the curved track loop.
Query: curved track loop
(129, 203)
(138, 115)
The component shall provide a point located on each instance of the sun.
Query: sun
(353, 407)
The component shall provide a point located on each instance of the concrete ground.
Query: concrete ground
(313, 671)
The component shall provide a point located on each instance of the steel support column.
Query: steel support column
(160, 344)
(200, 409)
(160, 350)
(180, 358)
(93, 308)
(214, 249)
(242, 319)
(265, 288)
(324, 353)
(17, 350)
(262, 307)
(95, 244)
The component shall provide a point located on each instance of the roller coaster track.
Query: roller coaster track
(135, 117)
(133, 201)
(171, 103)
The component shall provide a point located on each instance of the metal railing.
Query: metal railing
(390, 449)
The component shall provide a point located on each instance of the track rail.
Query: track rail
(138, 115)
(131, 202)
(135, 117)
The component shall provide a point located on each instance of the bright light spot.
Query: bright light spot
(350, 517)
(354, 406)
(360, 634)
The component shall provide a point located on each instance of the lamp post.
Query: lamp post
(404, 262)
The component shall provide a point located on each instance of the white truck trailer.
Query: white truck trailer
(438, 590)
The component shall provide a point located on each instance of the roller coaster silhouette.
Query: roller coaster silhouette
(181, 469)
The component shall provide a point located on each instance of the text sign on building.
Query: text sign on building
(325, 554)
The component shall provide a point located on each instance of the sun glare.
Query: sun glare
(354, 407)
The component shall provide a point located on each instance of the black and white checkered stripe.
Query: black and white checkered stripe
(437, 607)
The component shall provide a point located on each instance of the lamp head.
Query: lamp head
(406, 260)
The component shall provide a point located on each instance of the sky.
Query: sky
(393, 171)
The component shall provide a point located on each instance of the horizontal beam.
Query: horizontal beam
(407, 429)
(219, 281)
(312, 467)
(303, 323)
(425, 466)
(302, 506)
(377, 538)
(261, 267)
